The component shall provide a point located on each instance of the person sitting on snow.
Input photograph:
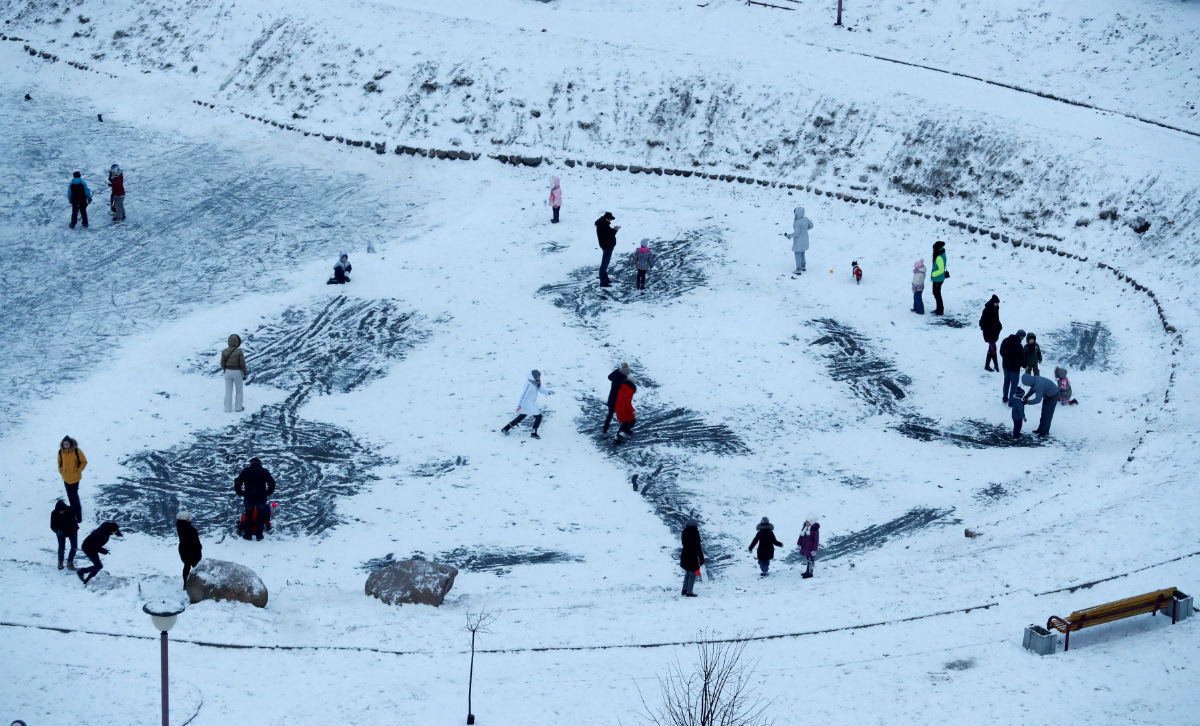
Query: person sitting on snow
(340, 270)
(1064, 386)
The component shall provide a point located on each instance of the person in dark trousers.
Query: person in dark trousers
(1012, 356)
(642, 261)
(79, 196)
(1033, 355)
(626, 414)
(1017, 403)
(339, 271)
(939, 274)
(810, 539)
(616, 378)
(989, 323)
(555, 197)
(116, 201)
(764, 537)
(190, 550)
(93, 547)
(528, 405)
(692, 556)
(71, 463)
(64, 525)
(606, 235)
(1043, 390)
(255, 485)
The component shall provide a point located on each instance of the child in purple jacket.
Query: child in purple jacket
(810, 539)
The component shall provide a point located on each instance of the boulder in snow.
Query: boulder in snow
(412, 581)
(221, 580)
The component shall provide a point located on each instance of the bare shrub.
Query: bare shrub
(714, 692)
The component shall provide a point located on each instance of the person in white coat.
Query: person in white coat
(529, 404)
(799, 237)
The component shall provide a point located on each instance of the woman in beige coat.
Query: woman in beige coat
(233, 367)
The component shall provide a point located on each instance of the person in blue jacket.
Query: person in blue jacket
(79, 196)
(1017, 404)
(1044, 390)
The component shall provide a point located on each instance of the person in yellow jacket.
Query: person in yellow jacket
(233, 367)
(71, 463)
(938, 274)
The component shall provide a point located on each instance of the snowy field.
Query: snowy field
(377, 404)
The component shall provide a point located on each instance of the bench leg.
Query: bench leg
(1067, 645)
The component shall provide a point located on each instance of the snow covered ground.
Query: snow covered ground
(377, 404)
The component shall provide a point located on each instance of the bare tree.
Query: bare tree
(477, 624)
(715, 692)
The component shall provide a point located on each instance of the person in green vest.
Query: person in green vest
(939, 274)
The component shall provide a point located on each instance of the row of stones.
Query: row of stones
(44, 55)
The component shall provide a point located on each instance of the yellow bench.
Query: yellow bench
(1151, 602)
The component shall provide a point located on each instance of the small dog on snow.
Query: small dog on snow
(856, 271)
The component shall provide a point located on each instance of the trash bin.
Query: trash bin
(1039, 640)
(1183, 606)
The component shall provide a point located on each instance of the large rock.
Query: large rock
(412, 581)
(221, 580)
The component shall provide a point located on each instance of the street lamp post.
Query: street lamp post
(163, 613)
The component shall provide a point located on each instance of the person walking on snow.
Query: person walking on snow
(626, 416)
(339, 271)
(939, 275)
(62, 522)
(255, 485)
(190, 550)
(764, 537)
(1017, 404)
(93, 547)
(71, 463)
(606, 235)
(1012, 357)
(555, 198)
(1065, 395)
(116, 201)
(1033, 355)
(617, 377)
(810, 539)
(528, 405)
(799, 237)
(691, 557)
(989, 323)
(918, 287)
(1046, 391)
(233, 367)
(79, 196)
(643, 260)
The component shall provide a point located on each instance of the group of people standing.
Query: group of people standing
(80, 196)
(691, 555)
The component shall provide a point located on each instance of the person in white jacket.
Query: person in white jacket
(529, 404)
(799, 237)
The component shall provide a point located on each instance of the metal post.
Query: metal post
(839, 19)
(166, 709)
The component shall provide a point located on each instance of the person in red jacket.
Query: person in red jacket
(116, 180)
(626, 416)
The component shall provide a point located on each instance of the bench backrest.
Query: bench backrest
(1116, 610)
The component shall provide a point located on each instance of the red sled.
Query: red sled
(243, 528)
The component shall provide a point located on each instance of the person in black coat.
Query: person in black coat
(93, 547)
(1012, 357)
(765, 539)
(255, 485)
(190, 550)
(617, 377)
(692, 556)
(62, 521)
(989, 323)
(606, 235)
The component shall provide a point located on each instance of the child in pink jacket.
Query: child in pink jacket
(555, 197)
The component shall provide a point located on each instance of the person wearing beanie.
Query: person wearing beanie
(1065, 394)
(810, 539)
(71, 463)
(65, 526)
(989, 323)
(691, 557)
(616, 378)
(79, 196)
(1012, 357)
(1043, 390)
(918, 286)
(939, 275)
(528, 405)
(116, 201)
(93, 547)
(1033, 355)
(555, 198)
(1017, 404)
(606, 235)
(643, 260)
(233, 367)
(339, 271)
(626, 414)
(764, 537)
(190, 550)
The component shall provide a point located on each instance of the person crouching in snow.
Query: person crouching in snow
(1017, 403)
(626, 415)
(529, 404)
(918, 287)
(643, 260)
(555, 198)
(93, 547)
(340, 270)
(190, 550)
(810, 539)
(765, 539)
(1065, 396)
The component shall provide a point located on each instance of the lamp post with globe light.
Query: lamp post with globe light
(163, 613)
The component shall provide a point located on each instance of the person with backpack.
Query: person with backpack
(528, 405)
(764, 537)
(643, 260)
(93, 547)
(255, 485)
(555, 198)
(606, 235)
(691, 557)
(190, 550)
(799, 237)
(1012, 357)
(616, 378)
(233, 367)
(116, 201)
(939, 275)
(64, 526)
(79, 196)
(809, 540)
(989, 323)
(71, 463)
(626, 415)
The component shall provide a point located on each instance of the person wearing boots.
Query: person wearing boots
(339, 271)
(810, 539)
(64, 526)
(71, 463)
(938, 275)
(555, 197)
(606, 235)
(1012, 357)
(764, 537)
(79, 196)
(116, 202)
(989, 323)
(233, 367)
(528, 406)
(626, 414)
(691, 557)
(93, 547)
(190, 550)
(616, 378)
(255, 485)
(1043, 390)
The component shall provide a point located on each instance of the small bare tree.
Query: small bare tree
(477, 624)
(716, 692)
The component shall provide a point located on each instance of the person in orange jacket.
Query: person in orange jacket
(626, 415)
(71, 463)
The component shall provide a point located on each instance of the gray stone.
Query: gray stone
(221, 580)
(412, 581)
